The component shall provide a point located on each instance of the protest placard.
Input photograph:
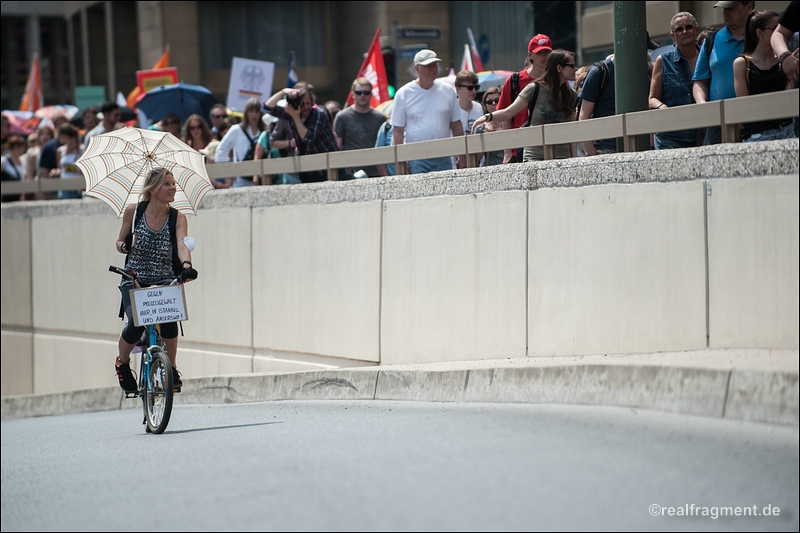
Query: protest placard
(157, 305)
(150, 79)
(250, 78)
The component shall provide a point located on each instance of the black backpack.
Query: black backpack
(251, 153)
(514, 93)
(602, 66)
(710, 40)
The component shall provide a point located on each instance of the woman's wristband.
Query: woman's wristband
(187, 262)
(489, 117)
(783, 55)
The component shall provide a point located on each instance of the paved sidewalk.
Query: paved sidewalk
(753, 385)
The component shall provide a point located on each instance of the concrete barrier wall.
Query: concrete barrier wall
(454, 278)
(16, 341)
(617, 269)
(626, 253)
(316, 280)
(753, 254)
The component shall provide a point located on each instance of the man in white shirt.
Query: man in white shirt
(111, 116)
(427, 109)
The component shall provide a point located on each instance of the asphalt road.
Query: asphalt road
(360, 465)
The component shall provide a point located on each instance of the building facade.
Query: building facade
(104, 43)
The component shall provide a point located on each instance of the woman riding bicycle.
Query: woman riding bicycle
(150, 254)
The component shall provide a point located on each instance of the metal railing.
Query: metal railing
(728, 114)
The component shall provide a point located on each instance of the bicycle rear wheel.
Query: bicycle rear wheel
(157, 393)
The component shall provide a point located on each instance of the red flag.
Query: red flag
(133, 96)
(374, 70)
(476, 58)
(466, 61)
(33, 99)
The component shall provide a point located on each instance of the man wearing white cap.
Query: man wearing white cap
(713, 74)
(427, 109)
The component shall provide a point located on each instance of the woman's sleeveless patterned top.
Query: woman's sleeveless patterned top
(151, 256)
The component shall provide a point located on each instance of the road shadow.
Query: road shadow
(168, 432)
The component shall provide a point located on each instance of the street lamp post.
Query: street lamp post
(631, 83)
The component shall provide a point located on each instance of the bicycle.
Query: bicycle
(155, 369)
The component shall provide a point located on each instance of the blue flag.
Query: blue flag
(292, 78)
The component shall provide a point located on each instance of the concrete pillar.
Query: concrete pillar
(32, 38)
(58, 65)
(152, 41)
(108, 12)
(87, 68)
(71, 51)
(9, 64)
(579, 33)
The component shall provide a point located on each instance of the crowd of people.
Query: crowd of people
(749, 55)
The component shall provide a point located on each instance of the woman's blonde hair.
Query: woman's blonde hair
(154, 181)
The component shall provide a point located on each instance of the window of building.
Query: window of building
(267, 31)
(14, 61)
(591, 56)
(508, 27)
(595, 5)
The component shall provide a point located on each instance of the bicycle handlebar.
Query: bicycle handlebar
(131, 275)
(127, 274)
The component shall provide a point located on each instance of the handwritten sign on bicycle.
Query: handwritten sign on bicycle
(157, 305)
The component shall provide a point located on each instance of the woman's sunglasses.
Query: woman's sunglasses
(492, 102)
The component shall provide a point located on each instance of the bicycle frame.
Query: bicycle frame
(154, 341)
(155, 372)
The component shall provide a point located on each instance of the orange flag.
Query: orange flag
(374, 70)
(33, 99)
(133, 96)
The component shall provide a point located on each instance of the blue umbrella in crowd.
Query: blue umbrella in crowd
(182, 99)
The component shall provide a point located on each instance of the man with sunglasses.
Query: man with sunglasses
(671, 84)
(427, 109)
(217, 115)
(357, 126)
(171, 123)
(467, 88)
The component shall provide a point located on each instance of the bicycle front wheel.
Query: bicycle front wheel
(158, 392)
